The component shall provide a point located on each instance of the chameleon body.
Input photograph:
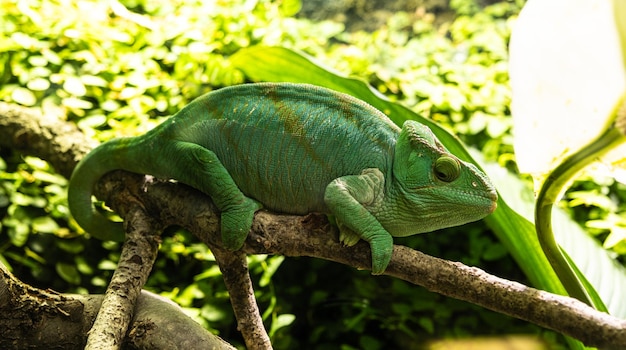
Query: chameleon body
(297, 148)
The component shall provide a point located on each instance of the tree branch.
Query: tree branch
(313, 236)
(177, 204)
(57, 141)
(136, 260)
(122, 189)
(234, 267)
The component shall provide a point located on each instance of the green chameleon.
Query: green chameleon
(297, 149)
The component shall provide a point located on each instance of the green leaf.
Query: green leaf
(427, 324)
(24, 96)
(73, 247)
(289, 8)
(213, 313)
(82, 265)
(368, 342)
(38, 84)
(74, 86)
(281, 321)
(18, 234)
(494, 252)
(270, 268)
(68, 272)
(3, 260)
(107, 265)
(76, 103)
(44, 224)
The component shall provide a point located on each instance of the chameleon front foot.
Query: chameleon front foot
(237, 222)
(382, 248)
(347, 236)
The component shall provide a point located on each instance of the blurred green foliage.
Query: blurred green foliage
(119, 68)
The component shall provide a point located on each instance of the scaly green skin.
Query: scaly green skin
(296, 148)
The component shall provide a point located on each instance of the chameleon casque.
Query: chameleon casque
(296, 149)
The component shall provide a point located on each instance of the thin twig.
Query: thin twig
(234, 267)
(137, 258)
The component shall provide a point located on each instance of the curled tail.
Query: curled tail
(101, 160)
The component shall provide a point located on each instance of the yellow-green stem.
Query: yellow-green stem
(548, 195)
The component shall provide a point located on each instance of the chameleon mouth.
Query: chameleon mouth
(488, 198)
(494, 205)
(493, 197)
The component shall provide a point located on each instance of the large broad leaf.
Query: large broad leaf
(511, 222)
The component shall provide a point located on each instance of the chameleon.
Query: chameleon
(296, 149)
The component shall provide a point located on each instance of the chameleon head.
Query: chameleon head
(431, 188)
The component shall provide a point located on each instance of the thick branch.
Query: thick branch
(31, 316)
(57, 141)
(159, 323)
(31, 319)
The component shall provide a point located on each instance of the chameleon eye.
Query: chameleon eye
(447, 169)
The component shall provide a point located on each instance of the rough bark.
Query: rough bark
(234, 267)
(136, 260)
(37, 319)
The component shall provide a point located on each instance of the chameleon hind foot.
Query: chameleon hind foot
(237, 222)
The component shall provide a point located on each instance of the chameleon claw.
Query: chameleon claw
(347, 236)
(236, 224)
